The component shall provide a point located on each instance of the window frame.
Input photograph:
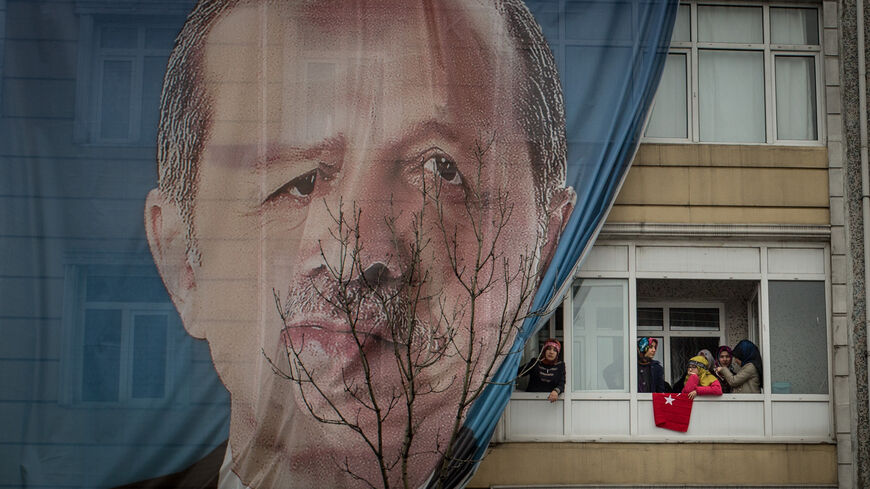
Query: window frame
(76, 305)
(666, 333)
(619, 259)
(88, 116)
(770, 52)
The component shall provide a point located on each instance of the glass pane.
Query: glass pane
(152, 83)
(596, 21)
(650, 318)
(160, 38)
(669, 116)
(115, 102)
(600, 332)
(796, 97)
(730, 24)
(685, 347)
(101, 355)
(149, 356)
(794, 25)
(683, 25)
(798, 338)
(127, 288)
(119, 37)
(694, 318)
(731, 96)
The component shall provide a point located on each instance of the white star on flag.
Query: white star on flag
(669, 400)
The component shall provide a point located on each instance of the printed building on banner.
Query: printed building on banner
(739, 219)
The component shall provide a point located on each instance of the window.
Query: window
(691, 296)
(682, 330)
(121, 77)
(600, 328)
(740, 74)
(123, 335)
(798, 338)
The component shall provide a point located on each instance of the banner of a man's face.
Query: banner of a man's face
(355, 214)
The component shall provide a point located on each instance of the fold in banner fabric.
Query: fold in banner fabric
(672, 411)
(262, 244)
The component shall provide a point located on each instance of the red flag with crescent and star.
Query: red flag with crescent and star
(672, 411)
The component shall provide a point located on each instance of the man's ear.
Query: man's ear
(166, 238)
(558, 212)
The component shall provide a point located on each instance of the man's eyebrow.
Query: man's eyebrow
(430, 126)
(280, 152)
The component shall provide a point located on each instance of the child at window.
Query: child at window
(699, 380)
(546, 373)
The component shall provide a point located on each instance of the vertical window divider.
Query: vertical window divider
(567, 354)
(829, 319)
(631, 341)
(764, 317)
(769, 77)
(695, 127)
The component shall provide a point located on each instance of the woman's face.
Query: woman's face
(693, 370)
(550, 354)
(725, 358)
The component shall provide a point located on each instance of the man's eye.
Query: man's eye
(445, 168)
(300, 186)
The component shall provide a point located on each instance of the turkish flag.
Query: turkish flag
(672, 411)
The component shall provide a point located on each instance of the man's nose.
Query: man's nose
(378, 274)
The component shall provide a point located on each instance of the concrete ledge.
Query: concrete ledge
(703, 464)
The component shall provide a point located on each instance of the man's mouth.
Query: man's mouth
(295, 335)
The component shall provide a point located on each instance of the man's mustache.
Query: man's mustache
(386, 311)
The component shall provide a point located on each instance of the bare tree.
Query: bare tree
(424, 327)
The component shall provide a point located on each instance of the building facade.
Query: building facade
(743, 216)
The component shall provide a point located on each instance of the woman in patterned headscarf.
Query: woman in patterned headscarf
(748, 379)
(699, 380)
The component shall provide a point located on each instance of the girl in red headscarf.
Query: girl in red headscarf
(546, 373)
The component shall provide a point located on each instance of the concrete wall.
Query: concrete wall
(724, 184)
(705, 464)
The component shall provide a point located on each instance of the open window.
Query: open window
(691, 297)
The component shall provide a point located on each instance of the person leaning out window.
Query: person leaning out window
(546, 373)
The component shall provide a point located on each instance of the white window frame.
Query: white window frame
(770, 51)
(626, 409)
(666, 333)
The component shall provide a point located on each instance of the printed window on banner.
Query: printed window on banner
(600, 330)
(682, 330)
(124, 341)
(740, 74)
(127, 63)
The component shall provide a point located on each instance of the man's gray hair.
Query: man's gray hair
(186, 109)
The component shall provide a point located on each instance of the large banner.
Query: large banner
(273, 244)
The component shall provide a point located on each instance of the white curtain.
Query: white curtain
(668, 119)
(730, 24)
(795, 97)
(731, 96)
(794, 26)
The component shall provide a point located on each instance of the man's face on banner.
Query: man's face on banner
(321, 105)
